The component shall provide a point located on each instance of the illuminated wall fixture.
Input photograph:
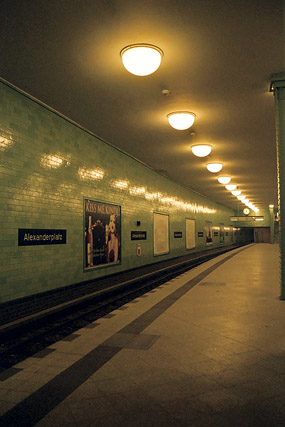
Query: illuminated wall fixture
(141, 59)
(231, 187)
(224, 179)
(236, 193)
(271, 206)
(214, 167)
(181, 120)
(259, 219)
(201, 150)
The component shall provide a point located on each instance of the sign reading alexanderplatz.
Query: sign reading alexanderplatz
(35, 236)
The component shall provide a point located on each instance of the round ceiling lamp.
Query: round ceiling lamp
(236, 192)
(231, 187)
(141, 59)
(201, 150)
(224, 179)
(214, 167)
(181, 120)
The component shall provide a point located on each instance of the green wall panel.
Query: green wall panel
(48, 166)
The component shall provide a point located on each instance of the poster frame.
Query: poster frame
(208, 233)
(168, 231)
(86, 268)
(192, 247)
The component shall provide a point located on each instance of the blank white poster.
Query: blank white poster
(160, 234)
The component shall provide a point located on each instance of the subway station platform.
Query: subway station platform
(204, 349)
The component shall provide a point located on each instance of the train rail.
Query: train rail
(27, 336)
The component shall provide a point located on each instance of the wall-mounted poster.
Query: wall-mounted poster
(102, 236)
(190, 233)
(222, 233)
(160, 234)
(209, 233)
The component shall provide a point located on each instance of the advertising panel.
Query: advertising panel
(190, 233)
(160, 234)
(102, 234)
(209, 233)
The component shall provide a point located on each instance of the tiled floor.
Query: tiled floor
(205, 349)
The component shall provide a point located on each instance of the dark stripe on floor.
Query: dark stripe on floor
(32, 409)
(139, 324)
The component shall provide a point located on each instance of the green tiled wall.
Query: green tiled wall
(48, 165)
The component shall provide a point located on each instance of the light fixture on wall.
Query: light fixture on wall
(231, 187)
(201, 150)
(214, 167)
(236, 192)
(141, 59)
(181, 120)
(224, 179)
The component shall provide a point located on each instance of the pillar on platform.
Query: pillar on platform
(278, 88)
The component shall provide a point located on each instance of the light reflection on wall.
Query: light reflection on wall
(120, 184)
(5, 143)
(159, 197)
(137, 191)
(152, 196)
(50, 161)
(91, 174)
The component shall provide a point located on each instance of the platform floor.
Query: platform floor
(205, 349)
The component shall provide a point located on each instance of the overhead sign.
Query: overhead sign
(42, 236)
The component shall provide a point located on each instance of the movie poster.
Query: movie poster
(102, 234)
(209, 233)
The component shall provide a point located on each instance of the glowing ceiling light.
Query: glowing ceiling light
(141, 59)
(245, 201)
(224, 179)
(236, 192)
(241, 197)
(201, 150)
(259, 219)
(214, 167)
(181, 120)
(231, 187)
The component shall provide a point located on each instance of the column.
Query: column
(278, 88)
(272, 219)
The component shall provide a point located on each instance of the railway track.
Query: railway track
(25, 338)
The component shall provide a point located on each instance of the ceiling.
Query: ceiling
(218, 59)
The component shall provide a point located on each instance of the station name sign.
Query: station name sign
(138, 235)
(177, 234)
(35, 236)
